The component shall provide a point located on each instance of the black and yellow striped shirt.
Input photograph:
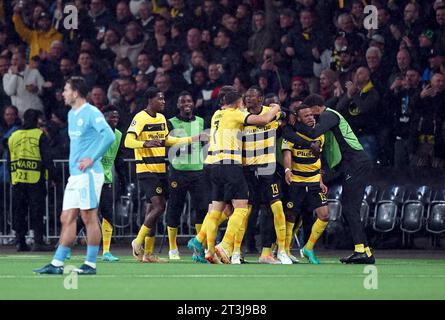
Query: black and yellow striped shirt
(259, 142)
(143, 128)
(305, 166)
(225, 144)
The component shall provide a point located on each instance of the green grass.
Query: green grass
(128, 279)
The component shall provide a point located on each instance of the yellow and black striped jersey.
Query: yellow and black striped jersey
(145, 127)
(225, 144)
(259, 142)
(305, 166)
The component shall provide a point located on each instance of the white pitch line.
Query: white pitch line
(180, 276)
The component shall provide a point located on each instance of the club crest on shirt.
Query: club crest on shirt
(80, 122)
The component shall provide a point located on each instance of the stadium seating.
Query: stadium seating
(435, 222)
(368, 202)
(387, 208)
(334, 202)
(124, 207)
(413, 209)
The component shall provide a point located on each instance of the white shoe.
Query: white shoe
(283, 257)
(236, 258)
(137, 250)
(174, 254)
(293, 258)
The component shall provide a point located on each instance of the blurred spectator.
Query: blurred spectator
(278, 78)
(402, 101)
(132, 43)
(123, 15)
(430, 148)
(403, 63)
(163, 83)
(345, 24)
(128, 104)
(86, 69)
(328, 80)
(57, 128)
(146, 18)
(9, 123)
(359, 105)
(40, 39)
(440, 29)
(23, 84)
(261, 38)
(145, 66)
(99, 15)
(226, 54)
(5, 100)
(98, 97)
(379, 74)
(304, 48)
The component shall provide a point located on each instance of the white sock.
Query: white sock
(91, 264)
(57, 263)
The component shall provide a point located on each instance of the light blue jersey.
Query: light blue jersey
(90, 137)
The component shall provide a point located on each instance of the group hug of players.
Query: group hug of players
(236, 171)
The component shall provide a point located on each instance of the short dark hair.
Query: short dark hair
(78, 84)
(31, 118)
(129, 79)
(314, 100)
(184, 93)
(110, 108)
(256, 88)
(301, 107)
(151, 93)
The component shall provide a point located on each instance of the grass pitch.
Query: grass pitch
(129, 279)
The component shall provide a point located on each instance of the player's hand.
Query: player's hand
(85, 163)
(203, 136)
(288, 177)
(323, 187)
(152, 143)
(315, 148)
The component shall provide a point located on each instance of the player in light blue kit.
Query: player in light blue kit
(90, 137)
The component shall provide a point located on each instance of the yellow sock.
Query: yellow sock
(242, 230)
(279, 221)
(198, 227)
(289, 236)
(149, 247)
(368, 251)
(222, 218)
(143, 232)
(212, 229)
(359, 248)
(107, 231)
(234, 224)
(202, 234)
(172, 232)
(266, 252)
(317, 229)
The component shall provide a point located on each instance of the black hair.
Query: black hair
(61, 113)
(31, 118)
(314, 100)
(110, 108)
(78, 84)
(257, 89)
(151, 93)
(184, 93)
(222, 94)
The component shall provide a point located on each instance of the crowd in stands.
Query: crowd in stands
(388, 82)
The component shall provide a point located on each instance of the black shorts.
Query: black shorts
(263, 189)
(228, 183)
(106, 202)
(300, 198)
(193, 182)
(153, 185)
